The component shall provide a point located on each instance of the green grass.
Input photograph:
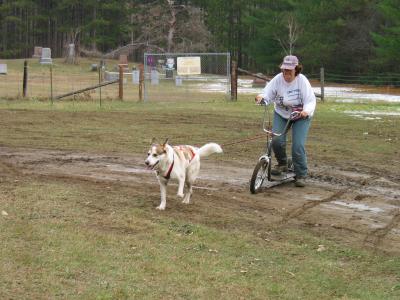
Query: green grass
(58, 245)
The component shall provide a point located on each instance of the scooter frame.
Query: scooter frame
(262, 170)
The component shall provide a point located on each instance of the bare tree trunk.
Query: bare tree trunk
(172, 25)
(72, 47)
(293, 34)
(292, 27)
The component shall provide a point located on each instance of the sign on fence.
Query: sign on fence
(150, 61)
(189, 65)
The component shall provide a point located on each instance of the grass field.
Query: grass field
(70, 238)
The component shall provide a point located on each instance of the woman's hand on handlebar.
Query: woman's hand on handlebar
(303, 114)
(296, 115)
(259, 100)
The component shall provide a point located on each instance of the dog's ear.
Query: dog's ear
(164, 145)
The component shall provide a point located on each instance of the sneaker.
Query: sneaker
(300, 182)
(278, 169)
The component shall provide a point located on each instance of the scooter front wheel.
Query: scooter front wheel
(260, 173)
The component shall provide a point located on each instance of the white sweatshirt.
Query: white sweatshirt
(286, 95)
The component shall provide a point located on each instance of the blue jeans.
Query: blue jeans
(299, 137)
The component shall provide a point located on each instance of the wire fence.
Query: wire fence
(212, 83)
(48, 81)
(387, 79)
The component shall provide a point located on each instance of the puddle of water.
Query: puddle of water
(358, 206)
(353, 175)
(313, 197)
(117, 168)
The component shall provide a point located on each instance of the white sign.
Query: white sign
(189, 65)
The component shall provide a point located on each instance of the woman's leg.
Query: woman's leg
(279, 142)
(299, 137)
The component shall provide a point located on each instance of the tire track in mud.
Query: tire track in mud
(375, 237)
(296, 212)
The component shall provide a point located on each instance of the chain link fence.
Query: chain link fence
(187, 76)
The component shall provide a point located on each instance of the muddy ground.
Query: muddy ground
(354, 208)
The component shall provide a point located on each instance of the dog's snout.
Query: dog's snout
(146, 162)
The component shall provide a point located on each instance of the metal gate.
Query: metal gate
(174, 77)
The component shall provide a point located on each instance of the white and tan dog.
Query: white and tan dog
(178, 162)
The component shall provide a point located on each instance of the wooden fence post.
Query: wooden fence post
(322, 80)
(121, 82)
(234, 81)
(51, 83)
(141, 81)
(25, 82)
(100, 79)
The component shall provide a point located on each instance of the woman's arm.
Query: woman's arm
(268, 93)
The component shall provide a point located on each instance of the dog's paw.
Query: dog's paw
(180, 195)
(186, 199)
(160, 207)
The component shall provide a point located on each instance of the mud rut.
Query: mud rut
(350, 207)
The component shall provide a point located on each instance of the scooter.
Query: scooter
(262, 170)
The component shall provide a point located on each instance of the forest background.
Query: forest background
(357, 37)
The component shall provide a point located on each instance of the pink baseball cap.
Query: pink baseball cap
(289, 62)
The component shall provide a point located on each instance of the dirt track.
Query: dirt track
(358, 209)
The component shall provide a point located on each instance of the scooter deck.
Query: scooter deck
(276, 180)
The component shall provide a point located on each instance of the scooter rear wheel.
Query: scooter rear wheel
(260, 173)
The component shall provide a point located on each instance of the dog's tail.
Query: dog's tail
(209, 149)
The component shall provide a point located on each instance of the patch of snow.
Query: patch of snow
(361, 113)
(358, 206)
